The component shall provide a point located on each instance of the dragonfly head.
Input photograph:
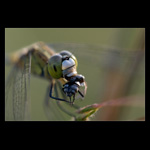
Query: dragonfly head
(63, 65)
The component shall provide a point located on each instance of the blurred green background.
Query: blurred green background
(122, 38)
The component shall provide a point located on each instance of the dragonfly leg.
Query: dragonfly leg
(80, 93)
(64, 94)
(50, 110)
(73, 99)
(56, 98)
(62, 108)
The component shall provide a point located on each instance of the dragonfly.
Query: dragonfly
(66, 86)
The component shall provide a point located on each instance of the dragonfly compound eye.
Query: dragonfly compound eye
(55, 66)
(68, 63)
(70, 55)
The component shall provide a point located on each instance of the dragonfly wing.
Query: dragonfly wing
(9, 94)
(96, 59)
(99, 54)
(51, 109)
(27, 75)
(17, 92)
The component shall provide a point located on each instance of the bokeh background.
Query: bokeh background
(104, 82)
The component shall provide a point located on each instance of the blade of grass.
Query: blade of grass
(89, 110)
